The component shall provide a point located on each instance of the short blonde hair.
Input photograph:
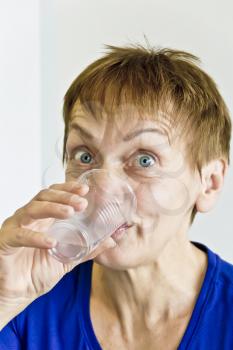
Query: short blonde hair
(158, 79)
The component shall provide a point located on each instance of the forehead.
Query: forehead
(121, 120)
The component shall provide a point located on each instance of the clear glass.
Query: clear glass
(111, 203)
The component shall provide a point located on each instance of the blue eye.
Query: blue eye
(85, 157)
(146, 160)
(143, 160)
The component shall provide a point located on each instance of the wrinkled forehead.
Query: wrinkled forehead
(121, 119)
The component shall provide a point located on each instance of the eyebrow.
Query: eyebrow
(76, 127)
(126, 138)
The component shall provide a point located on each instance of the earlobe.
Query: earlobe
(205, 202)
(212, 181)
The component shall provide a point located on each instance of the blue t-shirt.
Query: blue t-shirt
(60, 319)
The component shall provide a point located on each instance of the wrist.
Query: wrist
(9, 310)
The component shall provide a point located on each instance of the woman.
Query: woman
(154, 117)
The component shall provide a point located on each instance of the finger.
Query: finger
(42, 210)
(21, 237)
(71, 186)
(61, 197)
(106, 244)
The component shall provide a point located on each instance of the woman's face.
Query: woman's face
(151, 159)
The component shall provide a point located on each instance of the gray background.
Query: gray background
(47, 44)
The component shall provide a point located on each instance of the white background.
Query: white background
(45, 45)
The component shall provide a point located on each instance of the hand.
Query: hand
(26, 268)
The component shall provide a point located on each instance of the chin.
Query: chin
(131, 250)
(118, 258)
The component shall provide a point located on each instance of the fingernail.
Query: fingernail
(78, 200)
(51, 241)
(112, 245)
(85, 187)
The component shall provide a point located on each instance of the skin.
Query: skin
(146, 287)
(24, 245)
(154, 253)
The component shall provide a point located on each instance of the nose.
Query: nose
(106, 184)
(108, 188)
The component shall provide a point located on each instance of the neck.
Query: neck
(160, 291)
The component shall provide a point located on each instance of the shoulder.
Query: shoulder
(217, 288)
(214, 316)
(220, 271)
(220, 292)
(222, 279)
(225, 273)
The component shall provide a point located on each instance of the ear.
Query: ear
(212, 180)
